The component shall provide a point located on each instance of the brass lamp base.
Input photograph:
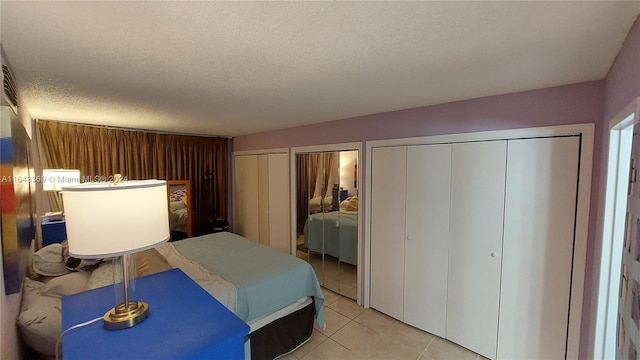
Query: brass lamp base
(123, 317)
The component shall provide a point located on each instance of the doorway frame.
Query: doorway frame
(613, 219)
(294, 151)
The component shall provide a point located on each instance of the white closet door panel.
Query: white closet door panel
(388, 184)
(279, 202)
(476, 226)
(427, 237)
(263, 199)
(541, 190)
(246, 196)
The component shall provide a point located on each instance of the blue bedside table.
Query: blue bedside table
(53, 232)
(184, 322)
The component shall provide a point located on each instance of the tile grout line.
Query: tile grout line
(433, 338)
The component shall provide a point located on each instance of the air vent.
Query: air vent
(10, 92)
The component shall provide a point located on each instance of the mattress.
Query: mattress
(266, 280)
(269, 318)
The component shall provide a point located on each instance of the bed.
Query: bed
(275, 293)
(179, 195)
(339, 229)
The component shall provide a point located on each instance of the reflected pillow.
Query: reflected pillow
(353, 204)
(177, 205)
(344, 203)
(314, 205)
(328, 203)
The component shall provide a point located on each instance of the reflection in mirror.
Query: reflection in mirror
(327, 221)
(179, 193)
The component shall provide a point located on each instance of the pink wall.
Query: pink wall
(622, 86)
(570, 104)
(577, 103)
(592, 102)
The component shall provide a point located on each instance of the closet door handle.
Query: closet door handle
(495, 254)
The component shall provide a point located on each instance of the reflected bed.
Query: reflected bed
(340, 232)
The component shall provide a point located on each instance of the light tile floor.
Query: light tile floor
(353, 332)
(341, 278)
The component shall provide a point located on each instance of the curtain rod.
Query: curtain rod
(135, 129)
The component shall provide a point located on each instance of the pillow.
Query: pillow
(75, 264)
(150, 262)
(39, 325)
(48, 261)
(102, 276)
(39, 321)
(353, 204)
(31, 289)
(68, 284)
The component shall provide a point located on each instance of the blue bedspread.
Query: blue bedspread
(266, 279)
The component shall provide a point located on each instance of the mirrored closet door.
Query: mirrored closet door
(327, 217)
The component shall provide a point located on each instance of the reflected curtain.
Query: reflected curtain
(100, 152)
(302, 187)
(316, 174)
(314, 170)
(331, 160)
(323, 172)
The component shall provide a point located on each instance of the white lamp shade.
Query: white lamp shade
(55, 179)
(105, 220)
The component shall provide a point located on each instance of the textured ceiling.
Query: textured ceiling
(233, 68)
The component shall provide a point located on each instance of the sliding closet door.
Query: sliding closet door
(427, 237)
(246, 196)
(263, 199)
(540, 208)
(278, 198)
(388, 184)
(477, 204)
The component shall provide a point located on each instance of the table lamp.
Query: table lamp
(111, 219)
(54, 180)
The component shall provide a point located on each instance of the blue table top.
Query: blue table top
(185, 322)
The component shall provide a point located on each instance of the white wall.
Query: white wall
(347, 173)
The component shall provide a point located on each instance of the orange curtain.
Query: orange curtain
(96, 151)
(204, 161)
(100, 152)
